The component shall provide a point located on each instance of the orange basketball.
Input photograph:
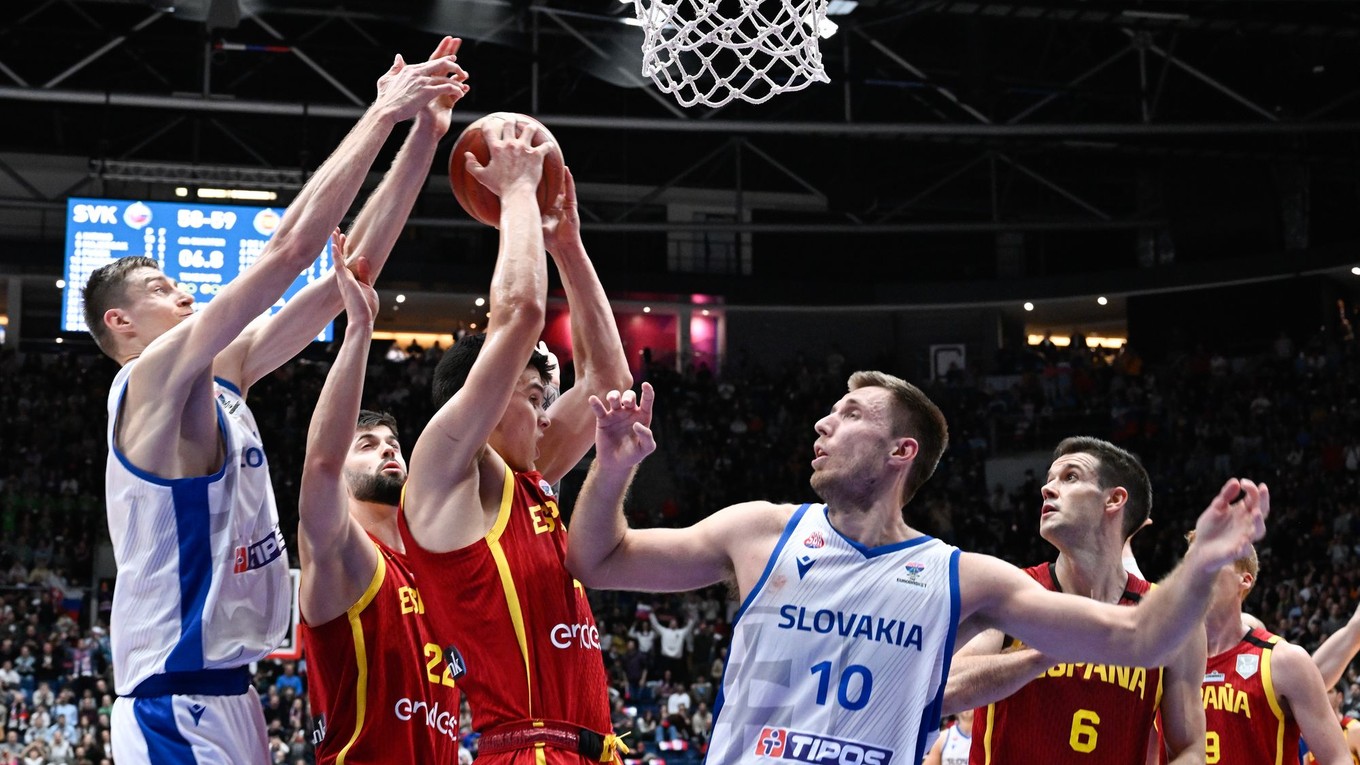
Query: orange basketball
(479, 201)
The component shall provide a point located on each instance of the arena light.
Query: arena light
(401, 298)
(479, 302)
(1355, 270)
(646, 309)
(1112, 343)
(1029, 306)
(841, 7)
(61, 284)
(253, 195)
(1102, 301)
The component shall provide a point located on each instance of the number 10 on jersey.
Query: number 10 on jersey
(853, 685)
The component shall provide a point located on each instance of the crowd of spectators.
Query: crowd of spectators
(1286, 414)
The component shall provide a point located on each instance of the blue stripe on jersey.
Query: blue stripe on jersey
(193, 525)
(750, 596)
(874, 552)
(934, 713)
(165, 745)
(229, 385)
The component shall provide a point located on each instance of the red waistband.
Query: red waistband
(551, 733)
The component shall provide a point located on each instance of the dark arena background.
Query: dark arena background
(1130, 220)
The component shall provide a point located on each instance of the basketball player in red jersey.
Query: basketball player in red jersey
(482, 527)
(1260, 692)
(1033, 710)
(367, 646)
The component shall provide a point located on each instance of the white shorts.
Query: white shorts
(189, 730)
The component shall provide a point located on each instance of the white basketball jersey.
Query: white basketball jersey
(202, 572)
(956, 747)
(840, 652)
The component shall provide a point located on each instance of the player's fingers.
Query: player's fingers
(1226, 495)
(648, 398)
(646, 441)
(612, 399)
(473, 166)
(568, 187)
(596, 406)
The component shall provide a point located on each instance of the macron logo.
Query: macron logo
(805, 565)
(197, 711)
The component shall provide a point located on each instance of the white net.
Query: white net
(712, 51)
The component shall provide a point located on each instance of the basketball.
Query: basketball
(479, 201)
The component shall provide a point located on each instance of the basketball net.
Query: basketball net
(712, 51)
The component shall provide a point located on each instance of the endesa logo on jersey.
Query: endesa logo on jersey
(785, 744)
(575, 636)
(259, 554)
(442, 720)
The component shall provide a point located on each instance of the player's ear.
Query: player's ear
(118, 321)
(905, 449)
(1116, 499)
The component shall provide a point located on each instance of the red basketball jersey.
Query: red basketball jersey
(1072, 713)
(1244, 721)
(533, 651)
(377, 680)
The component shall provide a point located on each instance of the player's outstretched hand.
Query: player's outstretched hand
(406, 89)
(513, 157)
(354, 277)
(1227, 528)
(562, 223)
(623, 433)
(436, 117)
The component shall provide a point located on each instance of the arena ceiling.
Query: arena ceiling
(1096, 145)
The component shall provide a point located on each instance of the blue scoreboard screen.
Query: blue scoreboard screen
(202, 247)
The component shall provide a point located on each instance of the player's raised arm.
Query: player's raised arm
(338, 559)
(1068, 627)
(605, 553)
(1182, 702)
(1337, 650)
(271, 340)
(601, 365)
(442, 491)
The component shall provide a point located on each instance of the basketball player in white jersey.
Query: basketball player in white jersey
(203, 586)
(849, 616)
(952, 747)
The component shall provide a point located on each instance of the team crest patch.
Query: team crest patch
(913, 571)
(814, 540)
(545, 487)
(1247, 665)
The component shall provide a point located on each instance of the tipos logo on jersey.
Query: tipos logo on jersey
(814, 540)
(259, 554)
(912, 574)
(1247, 664)
(785, 744)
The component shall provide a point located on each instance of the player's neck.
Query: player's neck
(380, 521)
(1223, 626)
(1092, 573)
(875, 527)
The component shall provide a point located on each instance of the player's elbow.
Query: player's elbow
(516, 310)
